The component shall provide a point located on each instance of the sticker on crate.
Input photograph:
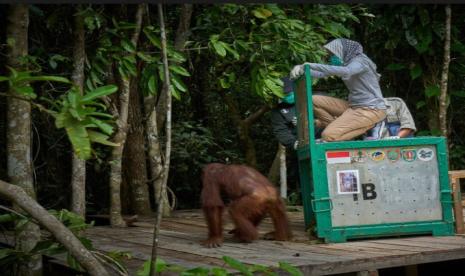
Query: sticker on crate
(377, 155)
(425, 154)
(409, 155)
(393, 155)
(335, 157)
(348, 182)
(359, 156)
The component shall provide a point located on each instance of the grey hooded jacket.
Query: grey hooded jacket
(360, 78)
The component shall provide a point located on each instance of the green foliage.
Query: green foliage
(83, 121)
(49, 246)
(267, 40)
(235, 265)
(20, 82)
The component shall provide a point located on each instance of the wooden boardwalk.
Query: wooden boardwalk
(180, 236)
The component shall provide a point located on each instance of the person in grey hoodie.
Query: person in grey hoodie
(345, 120)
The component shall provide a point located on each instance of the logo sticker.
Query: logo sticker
(409, 155)
(377, 155)
(393, 155)
(359, 156)
(425, 154)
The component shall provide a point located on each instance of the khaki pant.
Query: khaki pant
(342, 122)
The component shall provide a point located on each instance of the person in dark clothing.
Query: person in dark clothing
(284, 123)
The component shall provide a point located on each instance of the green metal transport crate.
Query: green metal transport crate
(359, 189)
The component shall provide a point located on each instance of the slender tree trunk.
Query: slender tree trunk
(156, 117)
(52, 224)
(282, 171)
(278, 172)
(122, 123)
(444, 77)
(134, 155)
(182, 35)
(273, 173)
(183, 28)
(19, 136)
(166, 167)
(155, 154)
(78, 176)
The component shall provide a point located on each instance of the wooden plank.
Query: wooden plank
(180, 237)
(457, 174)
(458, 209)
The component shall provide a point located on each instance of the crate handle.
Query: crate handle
(322, 199)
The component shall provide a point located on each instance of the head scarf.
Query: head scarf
(344, 49)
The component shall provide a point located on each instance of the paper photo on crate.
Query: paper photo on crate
(348, 182)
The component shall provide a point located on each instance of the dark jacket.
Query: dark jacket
(284, 122)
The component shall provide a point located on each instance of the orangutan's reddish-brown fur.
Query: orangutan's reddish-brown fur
(252, 198)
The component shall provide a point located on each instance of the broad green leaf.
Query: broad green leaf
(237, 265)
(73, 98)
(175, 92)
(152, 85)
(145, 57)
(276, 90)
(128, 45)
(432, 90)
(25, 91)
(79, 138)
(178, 83)
(100, 114)
(175, 56)
(2, 78)
(99, 92)
(130, 67)
(105, 127)
(262, 13)
(293, 271)
(179, 70)
(153, 39)
(44, 78)
(231, 50)
(100, 138)
(415, 72)
(219, 49)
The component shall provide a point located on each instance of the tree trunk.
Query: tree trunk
(134, 156)
(78, 176)
(183, 28)
(52, 224)
(166, 167)
(444, 77)
(19, 136)
(278, 172)
(155, 154)
(122, 123)
(282, 171)
(182, 35)
(243, 127)
(273, 173)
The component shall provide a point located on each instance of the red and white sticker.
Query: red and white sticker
(336, 157)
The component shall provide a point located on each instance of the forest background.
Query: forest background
(225, 63)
